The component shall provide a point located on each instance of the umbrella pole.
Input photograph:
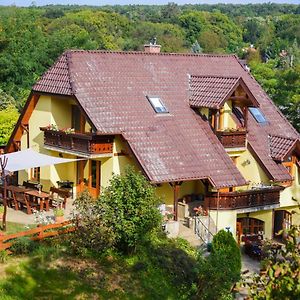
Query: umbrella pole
(3, 164)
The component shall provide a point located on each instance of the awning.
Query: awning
(27, 159)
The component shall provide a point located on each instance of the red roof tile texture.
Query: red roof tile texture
(281, 146)
(112, 87)
(211, 91)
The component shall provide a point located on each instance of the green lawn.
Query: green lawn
(50, 272)
(12, 227)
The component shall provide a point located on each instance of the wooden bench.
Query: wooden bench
(22, 199)
(58, 197)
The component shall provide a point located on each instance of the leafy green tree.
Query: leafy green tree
(221, 269)
(133, 207)
(8, 119)
(94, 232)
(6, 100)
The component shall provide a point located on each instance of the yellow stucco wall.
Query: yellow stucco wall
(223, 219)
(250, 169)
(291, 192)
(49, 110)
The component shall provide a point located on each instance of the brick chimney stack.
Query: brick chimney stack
(152, 47)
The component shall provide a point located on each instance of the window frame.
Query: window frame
(166, 111)
(255, 115)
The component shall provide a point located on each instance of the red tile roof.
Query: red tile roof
(57, 79)
(211, 91)
(112, 87)
(281, 146)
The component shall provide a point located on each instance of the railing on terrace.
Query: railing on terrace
(232, 139)
(244, 199)
(86, 143)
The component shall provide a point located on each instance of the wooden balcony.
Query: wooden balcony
(245, 199)
(81, 143)
(232, 139)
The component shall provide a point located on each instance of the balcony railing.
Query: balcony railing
(85, 143)
(232, 139)
(245, 199)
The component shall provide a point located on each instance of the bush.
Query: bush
(131, 205)
(221, 269)
(224, 244)
(3, 256)
(23, 245)
(93, 229)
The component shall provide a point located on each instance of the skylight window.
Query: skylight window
(157, 104)
(258, 115)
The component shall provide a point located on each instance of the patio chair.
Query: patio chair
(58, 197)
(9, 198)
(23, 200)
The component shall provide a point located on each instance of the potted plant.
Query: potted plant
(59, 215)
(1, 212)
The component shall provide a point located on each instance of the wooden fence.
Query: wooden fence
(38, 233)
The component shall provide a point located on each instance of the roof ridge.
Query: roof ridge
(216, 76)
(147, 53)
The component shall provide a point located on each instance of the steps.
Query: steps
(189, 235)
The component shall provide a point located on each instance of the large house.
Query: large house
(199, 127)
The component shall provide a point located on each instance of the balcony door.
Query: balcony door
(78, 120)
(89, 177)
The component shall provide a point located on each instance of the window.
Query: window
(251, 225)
(157, 105)
(35, 174)
(258, 115)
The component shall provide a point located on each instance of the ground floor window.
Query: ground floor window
(251, 225)
(35, 174)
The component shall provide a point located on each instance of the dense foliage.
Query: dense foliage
(281, 278)
(124, 216)
(221, 269)
(32, 38)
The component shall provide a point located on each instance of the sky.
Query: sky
(123, 2)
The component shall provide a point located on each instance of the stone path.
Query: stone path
(189, 235)
(23, 218)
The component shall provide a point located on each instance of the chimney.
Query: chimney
(152, 47)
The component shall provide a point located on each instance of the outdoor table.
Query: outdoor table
(16, 189)
(41, 196)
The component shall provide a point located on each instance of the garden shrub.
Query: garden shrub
(132, 207)
(23, 245)
(221, 269)
(224, 244)
(93, 232)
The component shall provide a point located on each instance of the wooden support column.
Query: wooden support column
(25, 127)
(245, 113)
(176, 188)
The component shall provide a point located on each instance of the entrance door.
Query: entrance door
(282, 220)
(89, 177)
(94, 177)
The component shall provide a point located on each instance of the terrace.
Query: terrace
(253, 198)
(86, 144)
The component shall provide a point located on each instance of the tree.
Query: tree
(221, 269)
(8, 119)
(133, 208)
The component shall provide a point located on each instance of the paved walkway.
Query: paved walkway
(23, 218)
